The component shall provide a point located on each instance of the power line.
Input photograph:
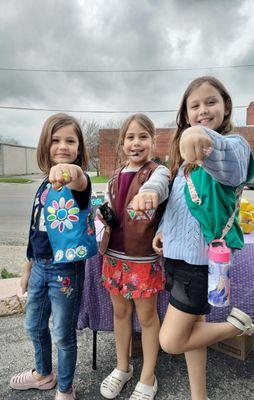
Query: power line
(98, 71)
(93, 111)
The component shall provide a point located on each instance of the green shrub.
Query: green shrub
(6, 274)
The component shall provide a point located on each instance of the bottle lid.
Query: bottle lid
(218, 251)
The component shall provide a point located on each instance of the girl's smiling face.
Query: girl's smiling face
(137, 145)
(64, 146)
(205, 106)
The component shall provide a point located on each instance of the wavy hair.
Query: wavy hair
(50, 126)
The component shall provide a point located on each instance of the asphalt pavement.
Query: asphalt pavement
(227, 377)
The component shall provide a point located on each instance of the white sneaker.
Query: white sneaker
(113, 384)
(144, 392)
(241, 321)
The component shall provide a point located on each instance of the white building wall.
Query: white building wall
(17, 160)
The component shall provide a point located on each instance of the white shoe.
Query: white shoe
(144, 392)
(241, 321)
(113, 384)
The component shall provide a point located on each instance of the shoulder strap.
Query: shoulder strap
(197, 200)
(170, 186)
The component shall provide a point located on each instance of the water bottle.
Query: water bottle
(219, 273)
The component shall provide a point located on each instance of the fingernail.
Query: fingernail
(207, 150)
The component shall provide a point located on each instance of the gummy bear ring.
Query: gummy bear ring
(66, 176)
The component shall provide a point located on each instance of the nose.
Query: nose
(203, 109)
(136, 141)
(62, 144)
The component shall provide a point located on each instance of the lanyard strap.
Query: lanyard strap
(196, 199)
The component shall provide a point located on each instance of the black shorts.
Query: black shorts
(187, 285)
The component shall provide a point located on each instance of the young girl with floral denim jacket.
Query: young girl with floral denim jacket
(61, 237)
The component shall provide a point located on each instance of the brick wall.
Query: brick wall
(109, 138)
(107, 150)
(250, 114)
(248, 133)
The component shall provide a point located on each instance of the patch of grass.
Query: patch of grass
(15, 180)
(6, 274)
(99, 179)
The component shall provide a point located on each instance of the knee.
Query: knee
(65, 340)
(62, 343)
(169, 344)
(36, 334)
(122, 312)
(149, 319)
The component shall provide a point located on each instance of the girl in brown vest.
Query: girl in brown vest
(131, 270)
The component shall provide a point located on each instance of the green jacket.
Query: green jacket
(217, 205)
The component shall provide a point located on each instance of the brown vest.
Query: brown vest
(138, 235)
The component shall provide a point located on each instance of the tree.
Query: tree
(8, 140)
(91, 132)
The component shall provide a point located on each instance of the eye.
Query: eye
(54, 140)
(193, 106)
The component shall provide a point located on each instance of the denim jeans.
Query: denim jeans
(54, 289)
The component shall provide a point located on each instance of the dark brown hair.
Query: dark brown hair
(175, 159)
(144, 121)
(50, 126)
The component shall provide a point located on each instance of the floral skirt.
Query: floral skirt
(132, 279)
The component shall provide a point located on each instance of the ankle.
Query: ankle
(147, 380)
(123, 367)
(66, 391)
(38, 376)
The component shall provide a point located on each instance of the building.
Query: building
(17, 160)
(108, 140)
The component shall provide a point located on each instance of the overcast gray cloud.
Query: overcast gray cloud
(110, 35)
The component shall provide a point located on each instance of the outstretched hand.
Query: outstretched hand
(64, 174)
(195, 144)
(145, 201)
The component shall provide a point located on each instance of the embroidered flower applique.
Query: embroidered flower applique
(62, 214)
(65, 282)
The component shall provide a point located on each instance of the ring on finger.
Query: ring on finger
(148, 201)
(65, 175)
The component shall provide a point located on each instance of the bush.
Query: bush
(6, 274)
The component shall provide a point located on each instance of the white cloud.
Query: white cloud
(127, 34)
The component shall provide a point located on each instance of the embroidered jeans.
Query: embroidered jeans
(56, 290)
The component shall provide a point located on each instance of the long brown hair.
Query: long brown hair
(50, 126)
(175, 159)
(145, 122)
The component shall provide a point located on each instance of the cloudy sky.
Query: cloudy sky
(116, 40)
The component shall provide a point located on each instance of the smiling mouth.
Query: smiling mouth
(205, 121)
(136, 152)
